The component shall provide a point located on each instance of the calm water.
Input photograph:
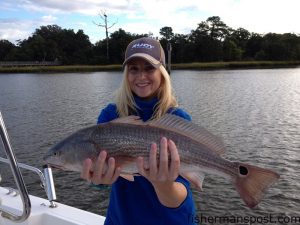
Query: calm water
(256, 112)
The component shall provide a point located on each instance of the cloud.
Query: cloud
(181, 16)
(254, 15)
(48, 19)
(14, 29)
(265, 16)
(146, 16)
(88, 7)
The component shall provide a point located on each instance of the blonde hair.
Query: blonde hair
(125, 101)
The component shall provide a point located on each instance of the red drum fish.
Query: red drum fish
(127, 138)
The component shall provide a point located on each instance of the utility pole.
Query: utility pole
(104, 18)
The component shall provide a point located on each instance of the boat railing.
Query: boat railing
(46, 178)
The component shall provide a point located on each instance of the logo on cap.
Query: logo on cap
(142, 45)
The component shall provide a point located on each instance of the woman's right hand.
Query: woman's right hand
(98, 172)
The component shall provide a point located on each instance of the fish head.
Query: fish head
(70, 153)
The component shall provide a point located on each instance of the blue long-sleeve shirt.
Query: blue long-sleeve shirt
(136, 202)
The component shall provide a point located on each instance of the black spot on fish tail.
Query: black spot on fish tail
(243, 170)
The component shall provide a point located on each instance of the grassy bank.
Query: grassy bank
(60, 69)
(237, 65)
(181, 66)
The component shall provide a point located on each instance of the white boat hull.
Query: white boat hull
(42, 214)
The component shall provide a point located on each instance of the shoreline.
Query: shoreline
(181, 66)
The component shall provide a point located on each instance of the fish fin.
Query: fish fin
(252, 182)
(129, 120)
(128, 177)
(189, 129)
(196, 178)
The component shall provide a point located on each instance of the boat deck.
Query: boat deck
(42, 214)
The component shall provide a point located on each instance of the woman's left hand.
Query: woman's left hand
(166, 171)
(162, 175)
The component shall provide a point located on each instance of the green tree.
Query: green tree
(253, 47)
(75, 47)
(166, 33)
(212, 40)
(5, 48)
(43, 45)
(217, 29)
(206, 45)
(231, 51)
(180, 46)
(274, 48)
(240, 37)
(54, 43)
(291, 43)
(99, 53)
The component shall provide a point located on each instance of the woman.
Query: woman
(159, 195)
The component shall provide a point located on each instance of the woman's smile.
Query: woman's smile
(143, 84)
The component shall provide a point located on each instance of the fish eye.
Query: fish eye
(56, 154)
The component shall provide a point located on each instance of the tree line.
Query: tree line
(211, 41)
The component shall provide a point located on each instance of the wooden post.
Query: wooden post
(169, 49)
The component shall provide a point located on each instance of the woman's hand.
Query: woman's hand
(161, 172)
(98, 172)
(162, 175)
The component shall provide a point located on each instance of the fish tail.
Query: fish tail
(252, 182)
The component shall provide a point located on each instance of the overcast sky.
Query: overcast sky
(20, 18)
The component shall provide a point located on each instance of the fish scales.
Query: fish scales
(137, 143)
(113, 138)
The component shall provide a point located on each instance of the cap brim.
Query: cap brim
(147, 57)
